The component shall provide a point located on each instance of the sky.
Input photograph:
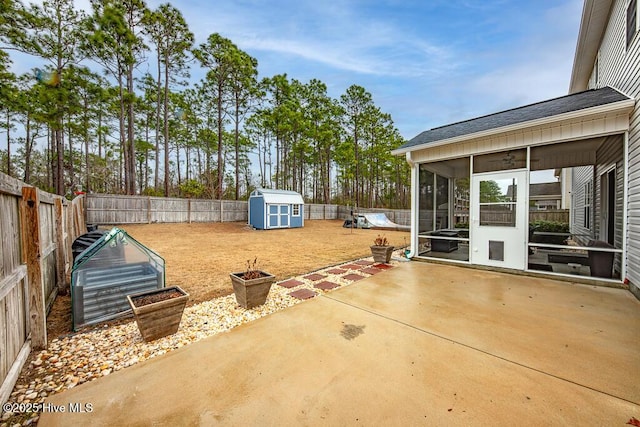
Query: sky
(426, 62)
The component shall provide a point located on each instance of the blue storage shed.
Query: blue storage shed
(275, 209)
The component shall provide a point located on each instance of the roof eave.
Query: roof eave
(595, 15)
(627, 104)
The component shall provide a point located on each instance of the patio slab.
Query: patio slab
(421, 344)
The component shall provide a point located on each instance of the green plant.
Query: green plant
(150, 191)
(537, 230)
(192, 189)
(549, 226)
(380, 241)
(252, 271)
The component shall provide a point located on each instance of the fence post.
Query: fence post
(149, 210)
(33, 256)
(60, 247)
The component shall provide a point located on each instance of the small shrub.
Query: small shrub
(192, 189)
(542, 227)
(153, 192)
(252, 271)
(550, 226)
(380, 241)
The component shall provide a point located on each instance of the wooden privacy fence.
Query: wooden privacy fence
(37, 230)
(550, 215)
(108, 209)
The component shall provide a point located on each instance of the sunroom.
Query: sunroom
(472, 186)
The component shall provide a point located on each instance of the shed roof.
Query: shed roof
(279, 196)
(515, 116)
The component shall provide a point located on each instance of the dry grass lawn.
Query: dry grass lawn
(199, 257)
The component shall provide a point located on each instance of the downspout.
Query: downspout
(415, 191)
(625, 208)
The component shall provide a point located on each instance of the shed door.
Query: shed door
(284, 215)
(278, 216)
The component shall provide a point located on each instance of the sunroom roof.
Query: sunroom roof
(552, 107)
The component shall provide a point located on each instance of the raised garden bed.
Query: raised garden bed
(158, 313)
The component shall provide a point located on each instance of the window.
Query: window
(588, 197)
(498, 202)
(296, 210)
(632, 20)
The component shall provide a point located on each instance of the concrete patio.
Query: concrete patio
(420, 344)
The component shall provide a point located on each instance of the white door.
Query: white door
(274, 216)
(499, 219)
(278, 216)
(284, 215)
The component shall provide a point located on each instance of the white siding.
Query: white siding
(619, 67)
(610, 155)
(580, 176)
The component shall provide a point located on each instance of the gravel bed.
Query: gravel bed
(102, 350)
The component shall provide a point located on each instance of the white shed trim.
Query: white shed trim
(279, 196)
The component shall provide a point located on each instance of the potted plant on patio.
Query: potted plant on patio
(251, 286)
(381, 250)
(158, 312)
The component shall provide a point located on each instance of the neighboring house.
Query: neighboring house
(591, 137)
(545, 196)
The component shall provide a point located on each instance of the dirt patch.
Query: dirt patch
(199, 257)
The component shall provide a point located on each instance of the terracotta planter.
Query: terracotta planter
(158, 319)
(382, 253)
(252, 292)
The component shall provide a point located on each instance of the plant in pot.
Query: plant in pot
(251, 286)
(158, 312)
(381, 250)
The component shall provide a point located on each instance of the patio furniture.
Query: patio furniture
(441, 245)
(601, 263)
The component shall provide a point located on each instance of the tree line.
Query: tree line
(87, 118)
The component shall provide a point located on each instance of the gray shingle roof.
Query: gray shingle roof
(545, 189)
(539, 110)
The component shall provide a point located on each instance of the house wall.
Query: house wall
(610, 156)
(580, 176)
(619, 67)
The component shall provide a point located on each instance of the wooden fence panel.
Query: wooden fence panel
(234, 211)
(13, 283)
(316, 211)
(106, 209)
(36, 253)
(169, 210)
(204, 210)
(554, 215)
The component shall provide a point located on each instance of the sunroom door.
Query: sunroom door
(499, 219)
